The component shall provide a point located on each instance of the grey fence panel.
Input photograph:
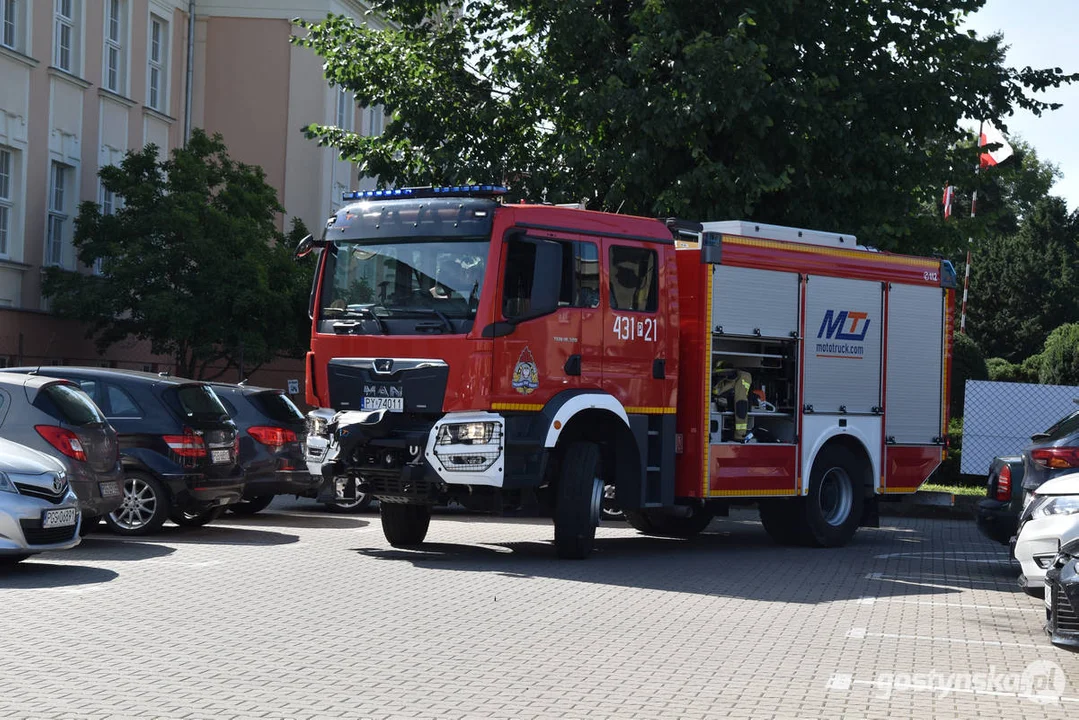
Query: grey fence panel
(1000, 417)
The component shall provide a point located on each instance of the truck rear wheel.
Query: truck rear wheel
(784, 520)
(405, 525)
(833, 507)
(662, 524)
(578, 501)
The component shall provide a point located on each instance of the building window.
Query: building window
(65, 36)
(158, 64)
(9, 24)
(344, 111)
(7, 208)
(375, 121)
(115, 57)
(60, 177)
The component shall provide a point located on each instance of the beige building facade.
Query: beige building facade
(84, 81)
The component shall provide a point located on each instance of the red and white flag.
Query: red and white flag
(949, 195)
(991, 136)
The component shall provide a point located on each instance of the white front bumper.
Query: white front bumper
(1039, 539)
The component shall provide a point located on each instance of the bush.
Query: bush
(1000, 370)
(948, 473)
(967, 364)
(1060, 359)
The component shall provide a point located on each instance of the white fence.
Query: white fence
(1000, 417)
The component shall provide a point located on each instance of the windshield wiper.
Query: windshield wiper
(445, 321)
(366, 312)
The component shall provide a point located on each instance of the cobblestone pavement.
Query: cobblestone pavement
(298, 614)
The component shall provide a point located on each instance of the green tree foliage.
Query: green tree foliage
(1023, 284)
(192, 262)
(1060, 359)
(821, 114)
(967, 364)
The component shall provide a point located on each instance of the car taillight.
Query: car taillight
(1004, 484)
(1056, 457)
(63, 440)
(272, 436)
(188, 445)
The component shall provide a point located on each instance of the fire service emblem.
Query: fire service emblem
(525, 373)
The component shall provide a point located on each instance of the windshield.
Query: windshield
(1061, 429)
(68, 404)
(199, 401)
(411, 278)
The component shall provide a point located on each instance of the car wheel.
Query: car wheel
(341, 505)
(578, 502)
(833, 507)
(196, 518)
(252, 506)
(89, 524)
(611, 511)
(144, 509)
(405, 525)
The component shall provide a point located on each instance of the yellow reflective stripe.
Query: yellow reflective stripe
(751, 493)
(832, 252)
(651, 410)
(900, 490)
(517, 407)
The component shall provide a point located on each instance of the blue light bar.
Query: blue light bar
(429, 191)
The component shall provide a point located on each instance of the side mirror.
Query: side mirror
(304, 247)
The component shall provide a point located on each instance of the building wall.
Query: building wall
(248, 83)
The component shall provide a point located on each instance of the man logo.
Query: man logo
(383, 365)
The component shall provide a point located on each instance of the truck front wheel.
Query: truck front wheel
(578, 501)
(404, 525)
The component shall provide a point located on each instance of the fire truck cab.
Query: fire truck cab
(519, 358)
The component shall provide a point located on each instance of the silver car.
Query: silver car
(38, 509)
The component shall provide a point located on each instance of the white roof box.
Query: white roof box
(744, 228)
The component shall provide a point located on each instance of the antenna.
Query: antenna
(48, 349)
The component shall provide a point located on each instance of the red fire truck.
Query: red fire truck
(519, 358)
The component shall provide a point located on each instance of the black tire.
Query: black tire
(660, 523)
(89, 524)
(152, 513)
(252, 506)
(833, 507)
(9, 560)
(405, 525)
(578, 501)
(361, 504)
(640, 521)
(784, 520)
(196, 518)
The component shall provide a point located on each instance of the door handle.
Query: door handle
(573, 365)
(659, 369)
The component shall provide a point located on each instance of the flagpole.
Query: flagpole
(970, 238)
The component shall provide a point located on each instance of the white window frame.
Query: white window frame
(115, 43)
(157, 96)
(7, 199)
(375, 121)
(60, 193)
(10, 13)
(345, 109)
(65, 17)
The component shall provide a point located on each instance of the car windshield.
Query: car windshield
(200, 401)
(408, 278)
(69, 404)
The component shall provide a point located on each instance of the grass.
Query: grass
(954, 489)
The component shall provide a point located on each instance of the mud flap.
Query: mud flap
(870, 513)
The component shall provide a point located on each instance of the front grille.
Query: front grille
(42, 493)
(391, 483)
(1064, 616)
(36, 535)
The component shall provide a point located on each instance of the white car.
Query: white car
(1049, 520)
(38, 509)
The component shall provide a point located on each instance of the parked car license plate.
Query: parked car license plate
(393, 404)
(59, 518)
(109, 489)
(220, 456)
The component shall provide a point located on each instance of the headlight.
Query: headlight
(6, 485)
(316, 424)
(1062, 505)
(477, 433)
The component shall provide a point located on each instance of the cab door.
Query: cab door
(637, 366)
(537, 342)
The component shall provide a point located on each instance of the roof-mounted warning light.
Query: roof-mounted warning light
(426, 192)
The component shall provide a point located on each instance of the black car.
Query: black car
(1062, 597)
(1051, 453)
(271, 431)
(177, 446)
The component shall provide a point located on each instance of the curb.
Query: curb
(932, 505)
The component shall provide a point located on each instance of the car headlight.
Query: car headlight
(1062, 505)
(475, 433)
(317, 424)
(6, 485)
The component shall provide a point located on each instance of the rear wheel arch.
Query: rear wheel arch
(854, 446)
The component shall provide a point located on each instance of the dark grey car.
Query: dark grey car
(55, 417)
